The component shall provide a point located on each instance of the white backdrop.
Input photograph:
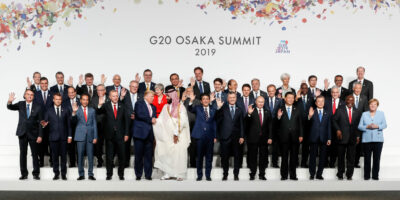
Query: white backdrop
(118, 42)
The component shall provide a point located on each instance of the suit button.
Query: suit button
(205, 129)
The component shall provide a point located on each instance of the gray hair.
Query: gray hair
(335, 87)
(159, 86)
(255, 79)
(285, 75)
(360, 67)
(356, 83)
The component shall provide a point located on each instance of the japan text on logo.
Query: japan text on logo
(282, 47)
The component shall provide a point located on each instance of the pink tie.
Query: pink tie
(150, 110)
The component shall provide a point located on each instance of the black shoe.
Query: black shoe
(357, 166)
(236, 178)
(108, 178)
(81, 178)
(149, 178)
(275, 166)
(262, 178)
(56, 177)
(36, 177)
(92, 178)
(252, 178)
(208, 178)
(283, 178)
(23, 177)
(138, 178)
(199, 179)
(72, 165)
(99, 165)
(224, 178)
(366, 179)
(340, 177)
(349, 178)
(311, 177)
(320, 178)
(64, 177)
(121, 178)
(294, 178)
(375, 178)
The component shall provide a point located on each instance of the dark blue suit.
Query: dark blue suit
(38, 100)
(59, 130)
(275, 144)
(320, 133)
(331, 151)
(204, 132)
(55, 89)
(143, 138)
(71, 147)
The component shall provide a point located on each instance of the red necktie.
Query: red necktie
(261, 119)
(334, 106)
(115, 111)
(84, 114)
(350, 115)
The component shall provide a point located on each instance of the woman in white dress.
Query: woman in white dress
(172, 134)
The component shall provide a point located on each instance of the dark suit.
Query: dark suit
(343, 93)
(196, 89)
(289, 132)
(143, 87)
(362, 107)
(228, 133)
(143, 138)
(331, 150)
(34, 88)
(257, 140)
(261, 93)
(84, 90)
(240, 102)
(44, 146)
(64, 92)
(347, 145)
(71, 147)
(112, 87)
(59, 125)
(115, 130)
(180, 90)
(193, 142)
(129, 110)
(320, 133)
(275, 130)
(304, 108)
(204, 133)
(367, 88)
(28, 130)
(101, 130)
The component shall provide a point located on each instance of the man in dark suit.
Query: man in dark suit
(272, 104)
(346, 122)
(43, 98)
(129, 100)
(259, 136)
(304, 100)
(204, 133)
(256, 92)
(176, 83)
(29, 131)
(71, 147)
(243, 103)
(116, 85)
(313, 91)
(199, 86)
(230, 133)
(192, 118)
(218, 93)
(320, 136)
(60, 87)
(143, 136)
(101, 123)
(332, 104)
(58, 121)
(343, 92)
(361, 105)
(117, 132)
(36, 82)
(291, 129)
(147, 84)
(88, 88)
(232, 87)
(367, 86)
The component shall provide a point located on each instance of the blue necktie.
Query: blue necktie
(288, 112)
(232, 112)
(218, 95)
(320, 115)
(201, 87)
(28, 111)
(37, 88)
(61, 90)
(271, 105)
(356, 102)
(133, 101)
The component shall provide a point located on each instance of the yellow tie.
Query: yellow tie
(147, 87)
(177, 90)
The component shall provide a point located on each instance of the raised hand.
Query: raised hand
(44, 123)
(298, 95)
(310, 112)
(328, 143)
(74, 107)
(192, 81)
(300, 139)
(81, 79)
(176, 139)
(303, 81)
(71, 81)
(280, 113)
(212, 96)
(180, 84)
(220, 103)
(28, 82)
(11, 97)
(250, 109)
(101, 101)
(326, 84)
(123, 93)
(241, 140)
(103, 78)
(94, 141)
(184, 97)
(137, 77)
(132, 116)
(318, 92)
(192, 97)
(269, 141)
(339, 134)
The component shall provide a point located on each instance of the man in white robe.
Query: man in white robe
(172, 134)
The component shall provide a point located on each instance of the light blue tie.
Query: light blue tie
(356, 102)
(232, 112)
(28, 111)
(320, 115)
(133, 101)
(288, 112)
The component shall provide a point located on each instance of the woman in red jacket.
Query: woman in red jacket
(160, 99)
